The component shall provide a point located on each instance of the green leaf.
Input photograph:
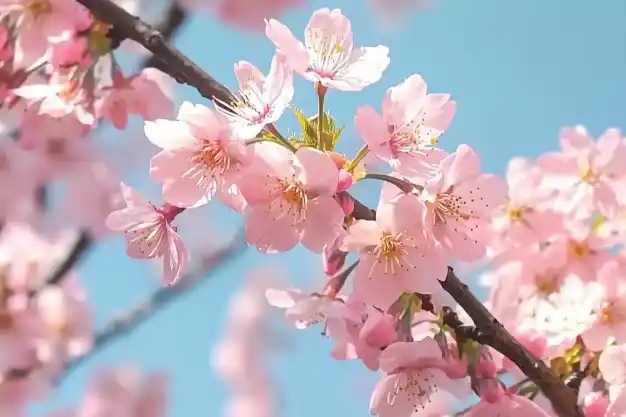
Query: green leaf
(309, 126)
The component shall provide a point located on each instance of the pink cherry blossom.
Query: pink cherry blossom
(261, 101)
(59, 98)
(125, 391)
(247, 14)
(39, 22)
(150, 233)
(527, 215)
(144, 93)
(460, 202)
(415, 372)
(66, 322)
(396, 257)
(584, 174)
(410, 125)
(507, 405)
(304, 310)
(610, 324)
(69, 50)
(290, 199)
(199, 159)
(328, 55)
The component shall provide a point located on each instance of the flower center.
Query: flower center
(515, 213)
(69, 91)
(293, 194)
(38, 7)
(546, 284)
(327, 52)
(214, 157)
(589, 176)
(449, 206)
(414, 386)
(579, 249)
(392, 252)
(609, 314)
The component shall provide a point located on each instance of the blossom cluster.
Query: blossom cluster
(551, 233)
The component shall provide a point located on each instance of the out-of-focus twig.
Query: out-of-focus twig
(136, 316)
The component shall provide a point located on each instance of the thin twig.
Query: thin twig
(131, 320)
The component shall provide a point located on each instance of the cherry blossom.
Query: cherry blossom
(125, 391)
(395, 255)
(200, 157)
(261, 101)
(415, 372)
(60, 98)
(290, 199)
(460, 201)
(150, 233)
(410, 126)
(328, 55)
(144, 94)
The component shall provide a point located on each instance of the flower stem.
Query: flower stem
(405, 186)
(358, 158)
(321, 95)
(272, 129)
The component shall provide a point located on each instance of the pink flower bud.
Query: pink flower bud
(345, 181)
(345, 202)
(333, 260)
(379, 331)
(486, 369)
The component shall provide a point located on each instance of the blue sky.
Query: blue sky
(519, 70)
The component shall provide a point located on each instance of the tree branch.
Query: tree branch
(179, 67)
(492, 333)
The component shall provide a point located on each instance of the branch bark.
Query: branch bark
(490, 331)
(178, 66)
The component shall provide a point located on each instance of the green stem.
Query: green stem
(272, 129)
(321, 95)
(358, 158)
(405, 186)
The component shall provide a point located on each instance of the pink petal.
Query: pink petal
(287, 44)
(324, 218)
(268, 234)
(317, 171)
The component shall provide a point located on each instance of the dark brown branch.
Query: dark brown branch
(175, 63)
(492, 333)
(489, 331)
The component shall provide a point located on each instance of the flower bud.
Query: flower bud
(345, 202)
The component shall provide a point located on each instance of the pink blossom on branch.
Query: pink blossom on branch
(290, 199)
(261, 101)
(200, 157)
(328, 55)
(150, 233)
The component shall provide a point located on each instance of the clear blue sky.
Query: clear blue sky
(519, 70)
